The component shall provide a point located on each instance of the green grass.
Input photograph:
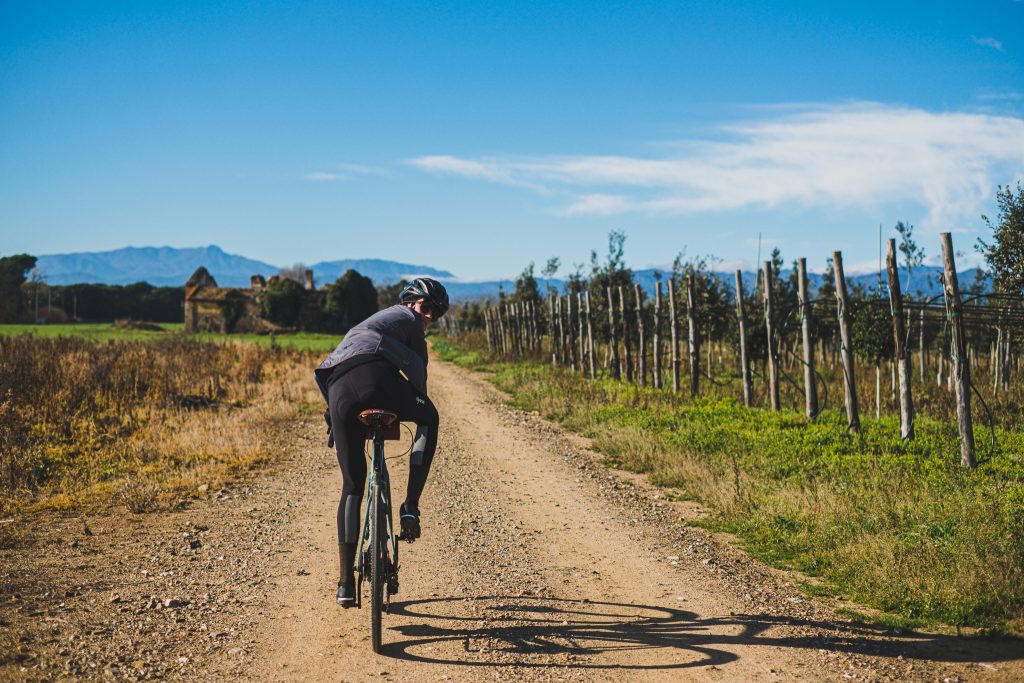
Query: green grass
(900, 527)
(299, 341)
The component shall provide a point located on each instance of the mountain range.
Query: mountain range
(170, 267)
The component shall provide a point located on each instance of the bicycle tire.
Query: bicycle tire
(378, 566)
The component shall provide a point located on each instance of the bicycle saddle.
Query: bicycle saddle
(372, 417)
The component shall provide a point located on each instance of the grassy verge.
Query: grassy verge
(300, 341)
(85, 422)
(896, 526)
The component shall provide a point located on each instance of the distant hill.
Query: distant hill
(159, 266)
(380, 271)
(171, 267)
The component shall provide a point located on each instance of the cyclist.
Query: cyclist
(363, 372)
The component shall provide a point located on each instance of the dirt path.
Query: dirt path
(536, 564)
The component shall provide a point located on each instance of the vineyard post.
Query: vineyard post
(693, 336)
(527, 327)
(657, 335)
(487, 330)
(517, 314)
(810, 390)
(590, 338)
(560, 330)
(961, 367)
(613, 336)
(996, 361)
(627, 341)
(673, 327)
(582, 336)
(567, 340)
(536, 315)
(642, 352)
(506, 347)
(566, 358)
(902, 353)
(773, 359)
(508, 339)
(513, 319)
(551, 329)
(849, 383)
(744, 361)
(571, 333)
(920, 345)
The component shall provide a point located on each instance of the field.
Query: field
(897, 526)
(94, 413)
(303, 341)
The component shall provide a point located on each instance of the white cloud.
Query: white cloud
(598, 204)
(360, 169)
(323, 176)
(857, 155)
(344, 172)
(989, 42)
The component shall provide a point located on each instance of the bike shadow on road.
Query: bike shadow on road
(536, 631)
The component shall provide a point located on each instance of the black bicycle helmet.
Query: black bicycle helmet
(429, 289)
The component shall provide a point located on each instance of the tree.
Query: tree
(526, 287)
(281, 302)
(13, 270)
(612, 273)
(350, 300)
(296, 272)
(1005, 254)
(387, 295)
(913, 254)
(549, 271)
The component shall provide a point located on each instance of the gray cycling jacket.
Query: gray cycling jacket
(395, 334)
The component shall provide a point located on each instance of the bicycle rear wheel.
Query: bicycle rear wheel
(378, 565)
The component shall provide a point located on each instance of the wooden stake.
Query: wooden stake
(744, 360)
(582, 336)
(590, 338)
(657, 335)
(551, 330)
(810, 390)
(849, 379)
(773, 359)
(627, 340)
(961, 367)
(672, 329)
(614, 339)
(642, 351)
(693, 335)
(902, 353)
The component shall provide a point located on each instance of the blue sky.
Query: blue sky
(477, 137)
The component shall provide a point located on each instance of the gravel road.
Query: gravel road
(537, 563)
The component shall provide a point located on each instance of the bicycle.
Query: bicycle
(377, 554)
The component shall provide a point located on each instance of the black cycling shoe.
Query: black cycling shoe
(410, 521)
(347, 593)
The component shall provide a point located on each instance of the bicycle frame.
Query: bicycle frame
(378, 486)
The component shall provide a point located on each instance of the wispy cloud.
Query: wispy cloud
(323, 176)
(989, 42)
(344, 172)
(855, 155)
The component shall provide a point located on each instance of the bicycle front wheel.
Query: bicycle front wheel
(378, 565)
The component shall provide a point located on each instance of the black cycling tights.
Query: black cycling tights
(375, 385)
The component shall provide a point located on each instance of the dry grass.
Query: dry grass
(85, 423)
